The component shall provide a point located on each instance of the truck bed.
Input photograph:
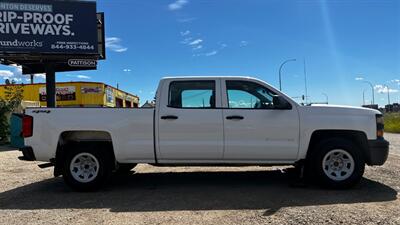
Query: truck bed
(127, 128)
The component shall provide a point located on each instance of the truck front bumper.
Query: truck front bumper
(27, 153)
(378, 151)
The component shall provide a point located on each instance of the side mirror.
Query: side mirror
(281, 103)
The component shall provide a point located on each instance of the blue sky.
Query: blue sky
(342, 43)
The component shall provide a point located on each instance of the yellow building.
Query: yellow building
(79, 94)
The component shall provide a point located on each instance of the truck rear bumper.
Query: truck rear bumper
(28, 154)
(378, 151)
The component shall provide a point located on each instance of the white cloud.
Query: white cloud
(223, 45)
(396, 81)
(359, 78)
(243, 43)
(186, 40)
(79, 76)
(17, 79)
(127, 70)
(197, 47)
(384, 89)
(186, 20)
(178, 4)
(16, 74)
(196, 42)
(114, 44)
(6, 74)
(41, 75)
(211, 53)
(184, 33)
(18, 69)
(214, 52)
(83, 77)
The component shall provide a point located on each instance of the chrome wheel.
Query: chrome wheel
(84, 167)
(338, 164)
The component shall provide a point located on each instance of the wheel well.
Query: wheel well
(76, 136)
(359, 138)
(68, 139)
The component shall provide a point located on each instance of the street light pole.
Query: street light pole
(388, 93)
(372, 88)
(364, 97)
(327, 99)
(280, 72)
(305, 79)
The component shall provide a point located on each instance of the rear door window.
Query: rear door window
(192, 94)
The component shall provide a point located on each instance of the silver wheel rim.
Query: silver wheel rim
(84, 167)
(338, 165)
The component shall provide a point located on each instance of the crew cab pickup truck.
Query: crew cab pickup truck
(209, 121)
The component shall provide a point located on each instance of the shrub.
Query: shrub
(12, 100)
(392, 122)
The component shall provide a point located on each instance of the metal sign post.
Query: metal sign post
(50, 85)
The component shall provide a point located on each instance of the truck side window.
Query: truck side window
(248, 95)
(192, 94)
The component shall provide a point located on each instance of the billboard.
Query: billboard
(48, 27)
(91, 90)
(66, 93)
(109, 95)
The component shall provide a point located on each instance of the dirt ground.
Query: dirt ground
(150, 195)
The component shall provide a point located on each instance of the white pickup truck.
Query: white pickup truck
(209, 121)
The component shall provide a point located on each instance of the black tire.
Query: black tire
(125, 168)
(104, 169)
(336, 146)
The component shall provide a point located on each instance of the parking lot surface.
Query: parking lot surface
(195, 195)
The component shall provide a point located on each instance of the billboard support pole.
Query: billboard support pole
(50, 85)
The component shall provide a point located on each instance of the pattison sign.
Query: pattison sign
(48, 27)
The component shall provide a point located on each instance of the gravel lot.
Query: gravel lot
(247, 195)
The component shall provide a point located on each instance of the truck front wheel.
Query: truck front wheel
(86, 168)
(337, 163)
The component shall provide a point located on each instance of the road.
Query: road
(394, 140)
(193, 195)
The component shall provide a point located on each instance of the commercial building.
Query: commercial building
(148, 104)
(79, 94)
(395, 107)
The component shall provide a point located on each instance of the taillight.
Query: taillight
(27, 126)
(379, 126)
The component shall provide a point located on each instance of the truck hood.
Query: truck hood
(339, 109)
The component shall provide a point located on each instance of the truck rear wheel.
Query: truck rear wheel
(86, 168)
(337, 163)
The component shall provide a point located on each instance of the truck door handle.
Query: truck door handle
(234, 117)
(169, 117)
